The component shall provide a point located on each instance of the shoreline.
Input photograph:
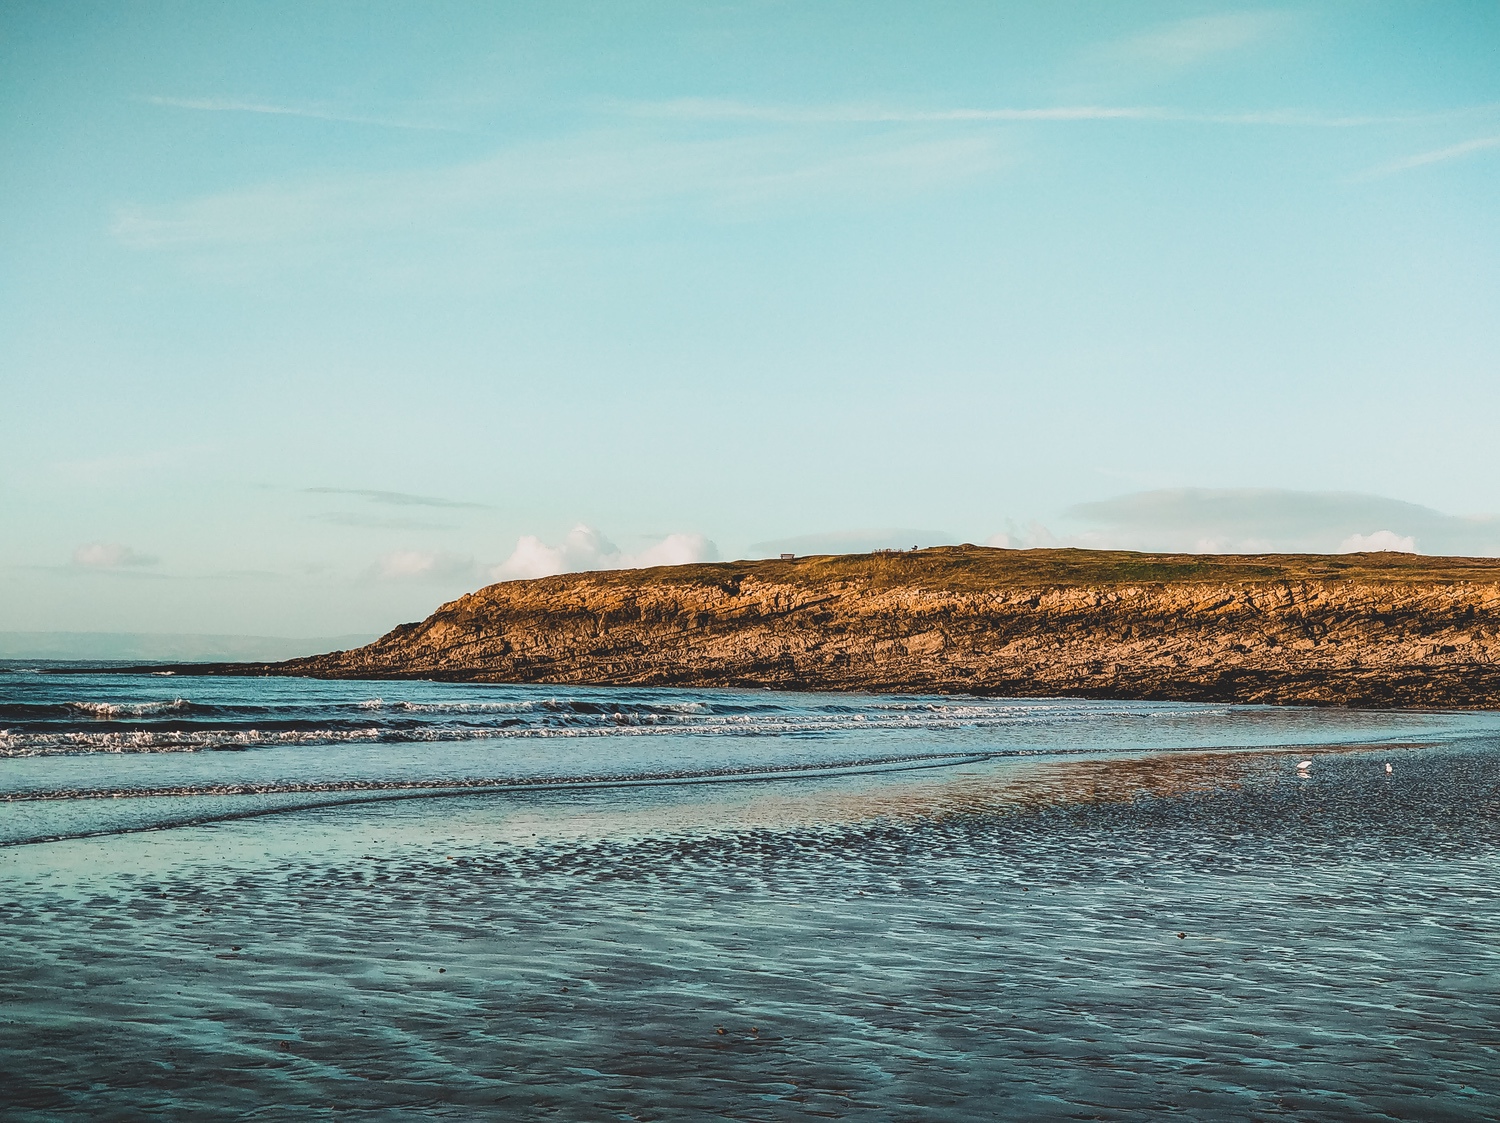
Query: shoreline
(1190, 692)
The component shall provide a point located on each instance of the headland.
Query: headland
(1377, 630)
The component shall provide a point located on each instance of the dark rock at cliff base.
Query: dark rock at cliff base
(1384, 630)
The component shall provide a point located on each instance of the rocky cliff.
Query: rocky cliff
(1359, 629)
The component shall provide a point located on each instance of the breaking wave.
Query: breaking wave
(548, 718)
(113, 710)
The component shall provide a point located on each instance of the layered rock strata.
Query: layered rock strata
(1387, 630)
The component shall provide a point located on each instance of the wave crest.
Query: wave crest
(113, 710)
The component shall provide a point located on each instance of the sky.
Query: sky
(316, 315)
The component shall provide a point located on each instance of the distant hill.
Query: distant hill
(1381, 629)
(163, 647)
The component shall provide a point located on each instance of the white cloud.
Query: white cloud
(1380, 540)
(674, 549)
(584, 548)
(109, 555)
(532, 557)
(423, 565)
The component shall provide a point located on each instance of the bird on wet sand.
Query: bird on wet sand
(1389, 769)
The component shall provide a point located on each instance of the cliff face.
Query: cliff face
(1373, 629)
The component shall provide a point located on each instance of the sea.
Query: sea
(277, 898)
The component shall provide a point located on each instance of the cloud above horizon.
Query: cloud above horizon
(1269, 520)
(1382, 541)
(584, 548)
(424, 565)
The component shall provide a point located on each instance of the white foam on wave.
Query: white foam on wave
(110, 710)
(582, 707)
(466, 707)
(689, 719)
(18, 744)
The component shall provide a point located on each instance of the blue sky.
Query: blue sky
(312, 316)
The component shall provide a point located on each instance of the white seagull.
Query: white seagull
(1388, 768)
(1303, 765)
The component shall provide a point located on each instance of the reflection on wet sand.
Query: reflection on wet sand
(972, 787)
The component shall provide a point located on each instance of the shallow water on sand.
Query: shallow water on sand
(864, 908)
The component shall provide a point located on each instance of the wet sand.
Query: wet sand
(1209, 935)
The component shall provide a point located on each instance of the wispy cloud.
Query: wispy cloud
(397, 498)
(716, 110)
(656, 162)
(712, 109)
(313, 112)
(1197, 40)
(584, 178)
(1437, 156)
(109, 555)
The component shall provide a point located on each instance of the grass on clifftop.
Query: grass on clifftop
(976, 568)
